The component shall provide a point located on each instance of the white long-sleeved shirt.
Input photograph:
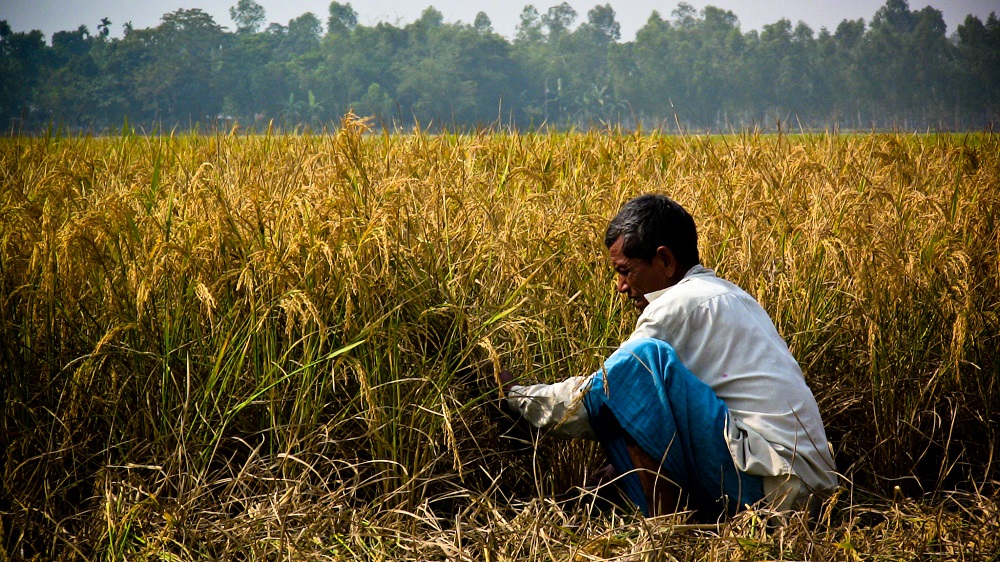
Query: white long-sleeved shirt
(726, 339)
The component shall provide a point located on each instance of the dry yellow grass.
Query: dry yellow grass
(282, 346)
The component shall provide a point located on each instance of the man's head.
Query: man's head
(652, 242)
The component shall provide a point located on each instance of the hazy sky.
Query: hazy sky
(59, 15)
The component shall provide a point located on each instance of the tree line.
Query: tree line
(695, 70)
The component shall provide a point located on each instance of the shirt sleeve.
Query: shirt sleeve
(556, 408)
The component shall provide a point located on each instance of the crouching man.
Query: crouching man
(703, 406)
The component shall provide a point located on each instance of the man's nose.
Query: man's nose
(622, 284)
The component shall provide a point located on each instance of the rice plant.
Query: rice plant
(269, 346)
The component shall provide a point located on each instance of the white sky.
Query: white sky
(60, 15)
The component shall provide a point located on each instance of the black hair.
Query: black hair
(649, 221)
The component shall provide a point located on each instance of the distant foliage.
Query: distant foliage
(693, 71)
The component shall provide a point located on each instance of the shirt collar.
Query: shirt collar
(695, 270)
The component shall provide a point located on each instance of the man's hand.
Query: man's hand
(506, 380)
(515, 430)
(602, 476)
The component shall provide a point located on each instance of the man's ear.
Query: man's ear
(671, 267)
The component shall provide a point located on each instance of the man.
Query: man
(703, 405)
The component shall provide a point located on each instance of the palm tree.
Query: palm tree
(313, 109)
(103, 27)
(291, 110)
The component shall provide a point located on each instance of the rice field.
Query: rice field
(265, 346)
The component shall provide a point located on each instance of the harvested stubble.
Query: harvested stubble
(281, 346)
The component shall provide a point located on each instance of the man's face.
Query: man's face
(637, 277)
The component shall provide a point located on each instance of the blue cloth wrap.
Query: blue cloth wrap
(646, 393)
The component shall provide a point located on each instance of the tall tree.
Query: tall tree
(177, 82)
(69, 44)
(303, 35)
(905, 54)
(588, 78)
(342, 18)
(71, 89)
(359, 70)
(529, 28)
(454, 73)
(252, 89)
(602, 23)
(24, 58)
(482, 23)
(248, 16)
(979, 52)
(785, 60)
(558, 20)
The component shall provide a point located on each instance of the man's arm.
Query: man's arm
(555, 408)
